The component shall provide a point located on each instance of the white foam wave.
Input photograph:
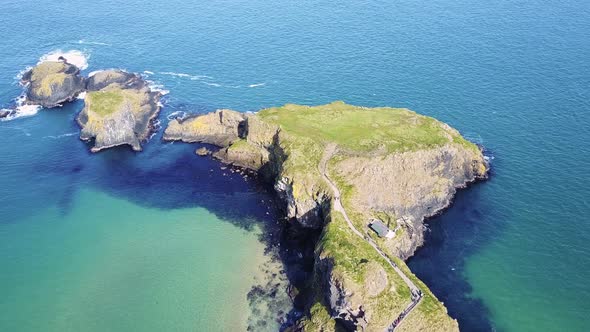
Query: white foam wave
(20, 74)
(176, 115)
(157, 87)
(21, 112)
(148, 72)
(212, 84)
(82, 95)
(256, 85)
(92, 73)
(87, 42)
(62, 135)
(183, 75)
(75, 57)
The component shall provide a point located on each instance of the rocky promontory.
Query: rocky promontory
(119, 109)
(388, 164)
(52, 83)
(221, 128)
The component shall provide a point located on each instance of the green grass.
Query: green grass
(50, 81)
(243, 145)
(47, 75)
(362, 129)
(348, 251)
(105, 102)
(47, 68)
(110, 100)
(319, 319)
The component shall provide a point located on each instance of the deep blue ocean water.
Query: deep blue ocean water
(512, 254)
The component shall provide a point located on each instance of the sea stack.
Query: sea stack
(52, 83)
(119, 110)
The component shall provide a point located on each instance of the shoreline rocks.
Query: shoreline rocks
(202, 152)
(220, 128)
(52, 83)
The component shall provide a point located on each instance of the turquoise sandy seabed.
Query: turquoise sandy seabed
(111, 265)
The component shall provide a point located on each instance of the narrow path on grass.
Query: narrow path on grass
(414, 290)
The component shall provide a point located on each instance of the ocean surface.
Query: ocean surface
(165, 241)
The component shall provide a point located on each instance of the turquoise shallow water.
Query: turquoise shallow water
(510, 255)
(108, 264)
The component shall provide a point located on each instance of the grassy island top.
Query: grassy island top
(363, 129)
(48, 74)
(111, 100)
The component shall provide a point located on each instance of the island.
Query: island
(367, 178)
(119, 107)
(52, 83)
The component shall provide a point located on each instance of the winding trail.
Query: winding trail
(414, 290)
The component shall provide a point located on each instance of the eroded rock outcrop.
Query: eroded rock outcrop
(410, 186)
(52, 83)
(119, 110)
(220, 128)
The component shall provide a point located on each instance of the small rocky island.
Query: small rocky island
(52, 83)
(342, 168)
(119, 106)
(119, 109)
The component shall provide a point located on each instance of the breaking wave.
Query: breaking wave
(21, 109)
(176, 115)
(75, 57)
(157, 87)
(61, 136)
(183, 75)
(87, 42)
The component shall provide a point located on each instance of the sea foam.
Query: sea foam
(62, 135)
(87, 42)
(75, 57)
(157, 87)
(183, 75)
(21, 109)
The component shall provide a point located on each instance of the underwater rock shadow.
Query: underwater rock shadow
(454, 235)
(184, 180)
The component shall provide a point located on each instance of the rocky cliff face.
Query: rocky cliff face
(410, 186)
(119, 109)
(51, 83)
(220, 128)
(401, 186)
